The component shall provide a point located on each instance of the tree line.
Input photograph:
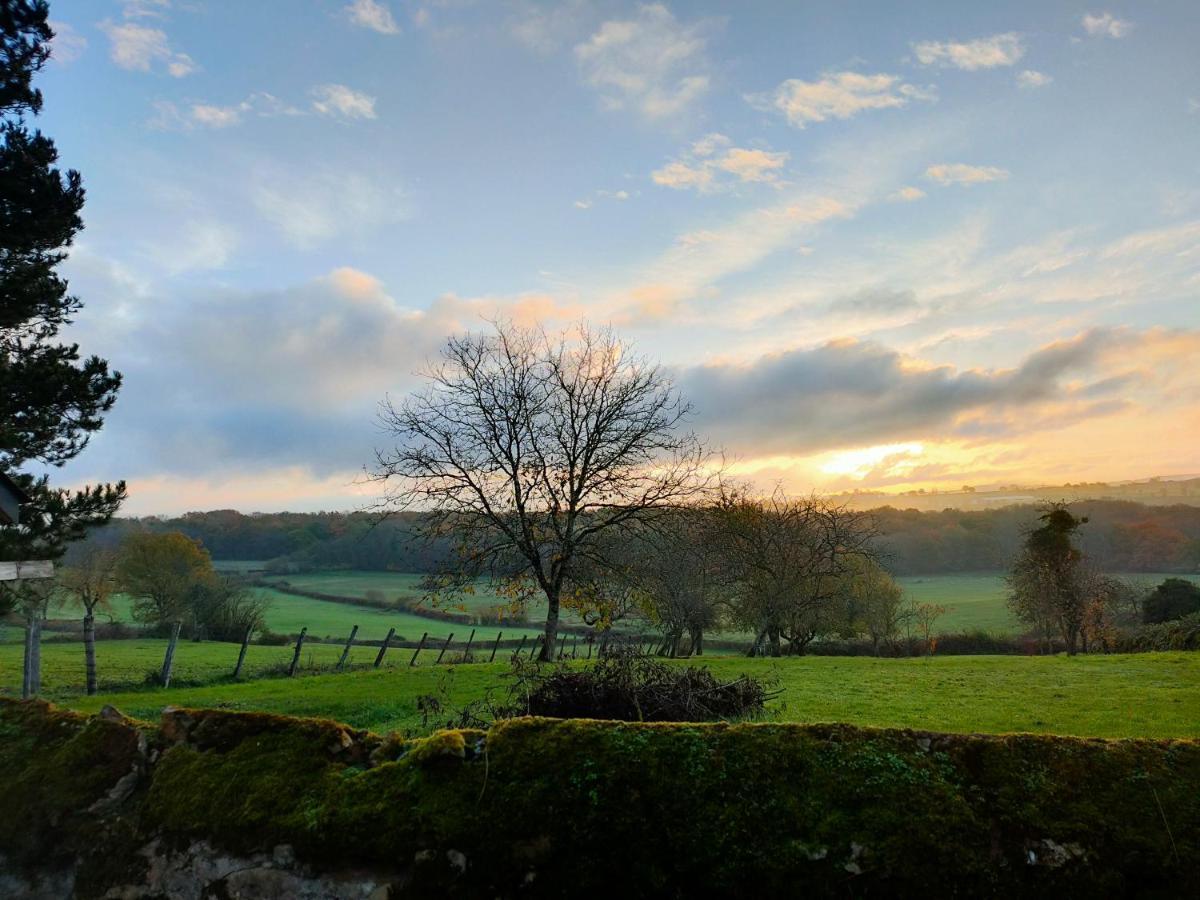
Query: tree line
(1122, 536)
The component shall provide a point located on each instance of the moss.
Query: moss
(664, 809)
(57, 766)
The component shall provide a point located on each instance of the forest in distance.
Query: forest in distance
(1120, 536)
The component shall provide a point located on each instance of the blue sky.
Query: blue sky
(878, 247)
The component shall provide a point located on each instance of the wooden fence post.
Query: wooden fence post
(296, 655)
(237, 670)
(562, 643)
(420, 644)
(443, 651)
(169, 659)
(346, 649)
(470, 640)
(589, 643)
(574, 646)
(384, 648)
(521, 647)
(496, 646)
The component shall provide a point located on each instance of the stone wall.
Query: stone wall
(218, 804)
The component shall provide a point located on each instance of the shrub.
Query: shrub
(1181, 634)
(268, 638)
(1173, 599)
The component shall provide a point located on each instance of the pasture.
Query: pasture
(1142, 695)
(973, 601)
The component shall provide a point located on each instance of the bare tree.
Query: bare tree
(789, 559)
(90, 583)
(926, 616)
(676, 574)
(531, 450)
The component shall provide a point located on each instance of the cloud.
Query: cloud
(1106, 25)
(547, 27)
(310, 207)
(1031, 79)
(68, 44)
(373, 15)
(341, 101)
(983, 53)
(651, 63)
(849, 393)
(960, 173)
(170, 117)
(711, 157)
(139, 48)
(228, 383)
(838, 95)
(907, 194)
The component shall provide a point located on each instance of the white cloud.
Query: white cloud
(702, 166)
(68, 44)
(140, 48)
(838, 95)
(983, 53)
(339, 100)
(169, 116)
(960, 173)
(373, 15)
(1106, 25)
(140, 9)
(547, 27)
(1031, 79)
(650, 63)
(312, 207)
(907, 194)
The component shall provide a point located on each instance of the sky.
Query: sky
(877, 245)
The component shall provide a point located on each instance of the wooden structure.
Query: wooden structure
(12, 498)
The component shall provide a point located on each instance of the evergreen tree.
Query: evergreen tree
(51, 399)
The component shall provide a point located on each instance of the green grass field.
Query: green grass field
(1143, 695)
(973, 601)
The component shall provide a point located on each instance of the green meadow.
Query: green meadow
(1138, 695)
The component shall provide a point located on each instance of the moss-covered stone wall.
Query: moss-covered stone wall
(548, 808)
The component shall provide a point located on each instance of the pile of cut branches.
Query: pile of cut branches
(632, 687)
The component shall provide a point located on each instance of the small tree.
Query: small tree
(676, 576)
(162, 572)
(874, 603)
(788, 560)
(925, 615)
(1049, 585)
(531, 452)
(90, 583)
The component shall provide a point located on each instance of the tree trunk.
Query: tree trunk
(697, 641)
(551, 632)
(773, 637)
(89, 650)
(27, 667)
(35, 670)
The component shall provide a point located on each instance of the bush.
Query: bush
(1182, 634)
(631, 687)
(1173, 599)
(268, 638)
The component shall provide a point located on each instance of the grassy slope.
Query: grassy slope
(289, 613)
(1150, 695)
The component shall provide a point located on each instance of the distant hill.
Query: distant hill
(1157, 491)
